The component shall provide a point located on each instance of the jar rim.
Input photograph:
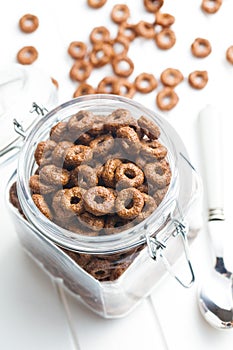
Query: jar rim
(97, 244)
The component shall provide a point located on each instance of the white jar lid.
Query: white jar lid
(20, 87)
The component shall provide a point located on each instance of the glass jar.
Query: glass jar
(129, 263)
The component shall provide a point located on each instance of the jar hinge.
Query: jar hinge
(156, 248)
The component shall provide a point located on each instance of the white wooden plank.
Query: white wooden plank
(31, 315)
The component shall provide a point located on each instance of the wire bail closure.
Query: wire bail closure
(156, 248)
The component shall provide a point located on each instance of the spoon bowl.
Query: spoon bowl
(215, 296)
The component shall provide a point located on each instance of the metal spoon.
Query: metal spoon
(215, 296)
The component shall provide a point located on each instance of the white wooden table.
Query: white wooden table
(34, 315)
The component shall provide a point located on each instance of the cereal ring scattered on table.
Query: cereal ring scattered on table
(108, 85)
(99, 35)
(127, 30)
(229, 54)
(145, 29)
(41, 204)
(211, 6)
(164, 19)
(198, 79)
(122, 66)
(171, 77)
(153, 5)
(96, 4)
(84, 89)
(120, 45)
(101, 54)
(77, 49)
(165, 39)
(129, 203)
(27, 55)
(125, 88)
(145, 83)
(28, 23)
(129, 175)
(167, 99)
(99, 201)
(80, 70)
(201, 48)
(120, 13)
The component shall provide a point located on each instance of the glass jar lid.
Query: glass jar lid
(23, 89)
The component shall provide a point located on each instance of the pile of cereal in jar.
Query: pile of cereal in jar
(99, 175)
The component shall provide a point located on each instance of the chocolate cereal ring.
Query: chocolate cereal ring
(43, 152)
(77, 154)
(114, 224)
(41, 204)
(80, 70)
(77, 49)
(84, 89)
(153, 149)
(38, 187)
(68, 202)
(51, 174)
(96, 4)
(59, 152)
(108, 172)
(117, 63)
(201, 48)
(229, 54)
(81, 122)
(100, 269)
(129, 203)
(153, 5)
(165, 39)
(167, 99)
(27, 55)
(148, 208)
(84, 177)
(102, 144)
(145, 83)
(211, 6)
(58, 132)
(149, 128)
(158, 173)
(198, 79)
(28, 23)
(120, 13)
(159, 194)
(99, 200)
(129, 175)
(120, 117)
(171, 77)
(130, 140)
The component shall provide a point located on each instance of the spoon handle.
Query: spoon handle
(212, 154)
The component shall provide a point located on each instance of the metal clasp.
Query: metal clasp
(156, 248)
